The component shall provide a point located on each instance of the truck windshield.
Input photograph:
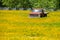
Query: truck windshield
(36, 10)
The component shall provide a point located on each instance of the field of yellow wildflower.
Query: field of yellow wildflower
(17, 25)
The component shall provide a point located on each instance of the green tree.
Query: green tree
(17, 3)
(26, 4)
(12, 3)
(32, 3)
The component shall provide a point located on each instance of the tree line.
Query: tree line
(55, 4)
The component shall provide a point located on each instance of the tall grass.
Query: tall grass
(17, 25)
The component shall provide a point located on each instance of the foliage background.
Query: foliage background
(52, 4)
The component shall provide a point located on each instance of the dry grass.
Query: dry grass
(17, 25)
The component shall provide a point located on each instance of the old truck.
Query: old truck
(38, 13)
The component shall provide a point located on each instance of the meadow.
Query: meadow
(17, 25)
